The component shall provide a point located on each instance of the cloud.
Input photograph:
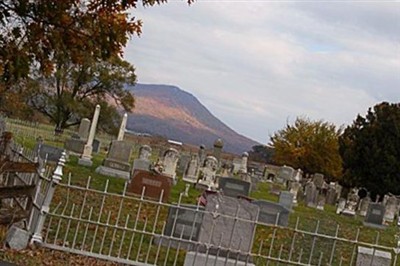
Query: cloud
(257, 65)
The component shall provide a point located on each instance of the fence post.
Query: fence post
(45, 207)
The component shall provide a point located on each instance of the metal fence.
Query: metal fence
(131, 229)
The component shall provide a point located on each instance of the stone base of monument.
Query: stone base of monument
(104, 170)
(373, 257)
(203, 259)
(85, 162)
(376, 226)
(348, 212)
(17, 238)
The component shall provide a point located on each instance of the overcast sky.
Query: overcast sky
(257, 65)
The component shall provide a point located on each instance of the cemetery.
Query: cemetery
(131, 204)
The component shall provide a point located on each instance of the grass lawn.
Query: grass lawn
(115, 212)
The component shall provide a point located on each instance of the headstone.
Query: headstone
(75, 145)
(96, 145)
(373, 257)
(294, 189)
(351, 203)
(143, 162)
(285, 174)
(321, 200)
(86, 157)
(218, 145)
(202, 155)
(83, 130)
(122, 127)
(391, 209)
(154, 185)
(364, 206)
(48, 152)
(170, 160)
(191, 171)
(311, 194)
(183, 163)
(234, 187)
(17, 238)
(184, 222)
(194, 258)
(331, 196)
(116, 163)
(228, 223)
(275, 189)
(286, 199)
(272, 213)
(298, 176)
(318, 180)
(243, 163)
(237, 162)
(207, 177)
(341, 205)
(375, 214)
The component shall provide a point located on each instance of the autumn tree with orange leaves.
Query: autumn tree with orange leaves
(69, 52)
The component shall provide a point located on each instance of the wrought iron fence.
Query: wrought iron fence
(131, 229)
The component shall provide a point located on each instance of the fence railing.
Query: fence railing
(134, 230)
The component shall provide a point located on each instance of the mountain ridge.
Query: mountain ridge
(171, 112)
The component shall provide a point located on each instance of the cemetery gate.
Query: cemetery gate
(108, 224)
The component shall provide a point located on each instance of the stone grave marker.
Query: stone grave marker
(192, 170)
(96, 145)
(155, 184)
(116, 163)
(51, 153)
(84, 127)
(331, 195)
(311, 194)
(272, 212)
(391, 209)
(220, 228)
(286, 199)
(143, 162)
(364, 206)
(351, 203)
(294, 189)
(234, 187)
(318, 180)
(373, 257)
(170, 161)
(275, 189)
(321, 200)
(285, 174)
(183, 163)
(375, 214)
(341, 205)
(207, 177)
(183, 221)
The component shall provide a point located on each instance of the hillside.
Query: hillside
(171, 112)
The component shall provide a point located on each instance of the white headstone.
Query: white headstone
(122, 127)
(208, 173)
(86, 157)
(170, 160)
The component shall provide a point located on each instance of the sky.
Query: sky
(257, 65)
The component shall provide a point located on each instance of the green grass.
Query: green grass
(149, 217)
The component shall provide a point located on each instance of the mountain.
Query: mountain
(176, 114)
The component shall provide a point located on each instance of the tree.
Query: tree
(310, 145)
(73, 90)
(370, 149)
(261, 153)
(63, 43)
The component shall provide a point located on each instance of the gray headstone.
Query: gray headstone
(311, 194)
(184, 221)
(286, 199)
(272, 212)
(220, 228)
(364, 206)
(391, 209)
(373, 257)
(84, 127)
(375, 214)
(331, 195)
(117, 162)
(318, 180)
(75, 145)
(53, 154)
(17, 238)
(96, 146)
(234, 187)
(286, 173)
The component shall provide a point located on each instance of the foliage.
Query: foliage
(310, 145)
(370, 149)
(64, 44)
(71, 93)
(261, 153)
